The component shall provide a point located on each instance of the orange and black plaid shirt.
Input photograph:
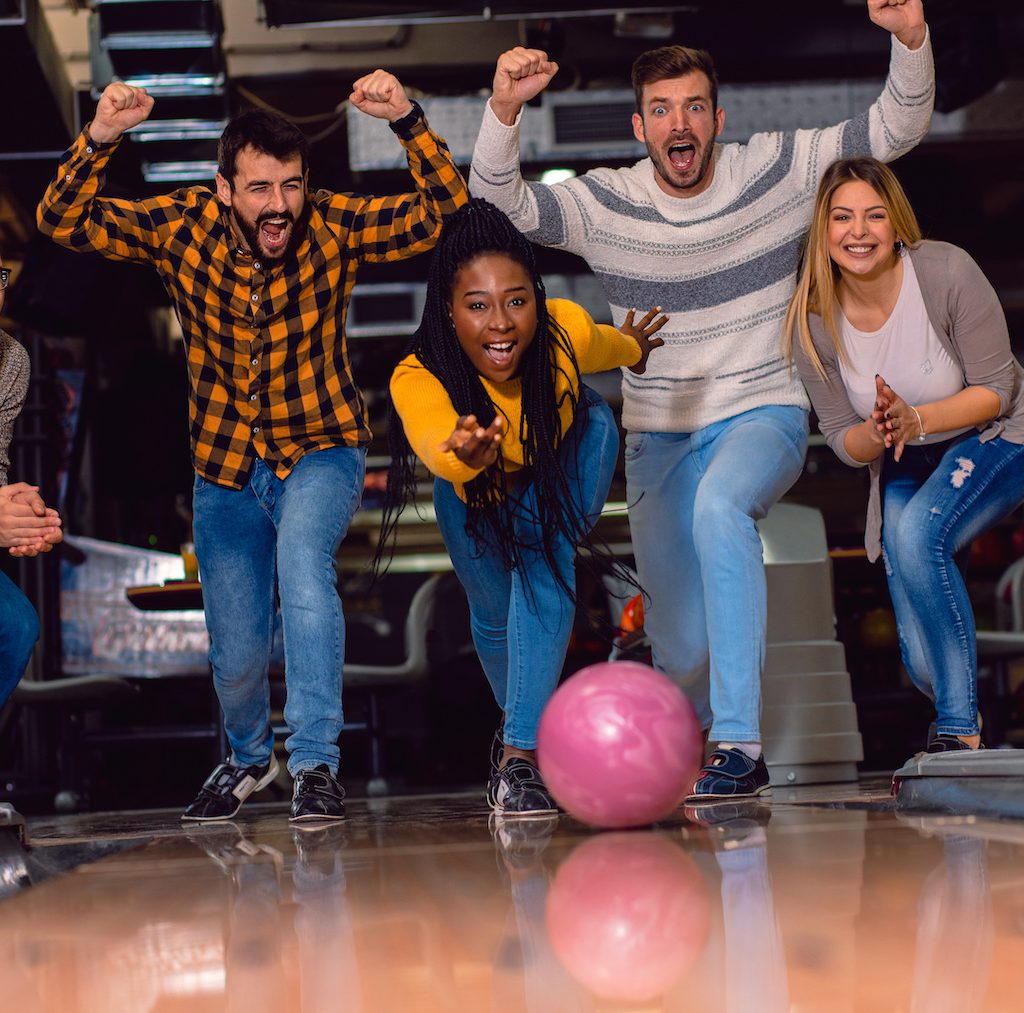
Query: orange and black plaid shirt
(267, 359)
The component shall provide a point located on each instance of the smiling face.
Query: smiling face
(679, 126)
(266, 200)
(494, 312)
(860, 232)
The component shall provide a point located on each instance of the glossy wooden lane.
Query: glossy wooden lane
(823, 900)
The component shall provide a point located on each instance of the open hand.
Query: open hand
(641, 332)
(474, 445)
(120, 108)
(381, 94)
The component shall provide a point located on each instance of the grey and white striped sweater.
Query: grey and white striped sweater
(721, 264)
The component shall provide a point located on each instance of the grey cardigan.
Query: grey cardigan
(14, 372)
(965, 312)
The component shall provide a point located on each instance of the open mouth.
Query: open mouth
(274, 233)
(500, 353)
(681, 156)
(860, 250)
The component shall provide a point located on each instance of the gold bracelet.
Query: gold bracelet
(920, 425)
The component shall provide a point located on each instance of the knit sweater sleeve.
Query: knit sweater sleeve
(14, 374)
(897, 120)
(548, 215)
(429, 418)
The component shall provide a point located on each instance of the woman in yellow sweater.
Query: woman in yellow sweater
(490, 399)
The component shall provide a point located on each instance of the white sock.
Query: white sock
(752, 749)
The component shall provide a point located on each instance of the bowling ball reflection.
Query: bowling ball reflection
(628, 914)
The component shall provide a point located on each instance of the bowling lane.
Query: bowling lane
(825, 899)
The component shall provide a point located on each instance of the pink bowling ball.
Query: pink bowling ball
(619, 745)
(628, 915)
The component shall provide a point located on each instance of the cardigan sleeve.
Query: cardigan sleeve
(14, 375)
(828, 394)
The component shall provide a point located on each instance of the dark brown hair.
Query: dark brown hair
(672, 61)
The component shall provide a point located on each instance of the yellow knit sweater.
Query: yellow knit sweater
(429, 417)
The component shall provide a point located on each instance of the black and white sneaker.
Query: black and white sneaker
(227, 787)
(497, 748)
(519, 790)
(317, 796)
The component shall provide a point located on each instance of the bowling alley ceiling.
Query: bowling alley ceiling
(206, 59)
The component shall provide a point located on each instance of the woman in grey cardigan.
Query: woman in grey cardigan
(903, 348)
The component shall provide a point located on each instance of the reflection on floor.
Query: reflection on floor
(825, 899)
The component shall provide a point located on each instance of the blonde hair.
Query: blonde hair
(818, 275)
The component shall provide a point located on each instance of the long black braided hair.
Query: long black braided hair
(477, 229)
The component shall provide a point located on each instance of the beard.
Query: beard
(677, 180)
(250, 231)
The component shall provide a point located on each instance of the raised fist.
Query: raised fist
(120, 108)
(381, 94)
(520, 75)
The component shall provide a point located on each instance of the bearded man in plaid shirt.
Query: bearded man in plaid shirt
(260, 273)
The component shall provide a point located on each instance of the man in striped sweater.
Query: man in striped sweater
(717, 432)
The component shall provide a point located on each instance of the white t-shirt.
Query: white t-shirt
(906, 351)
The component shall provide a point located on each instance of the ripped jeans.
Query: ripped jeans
(935, 502)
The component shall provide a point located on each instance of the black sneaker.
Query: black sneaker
(519, 790)
(227, 787)
(317, 796)
(943, 743)
(730, 773)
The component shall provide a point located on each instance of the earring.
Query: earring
(897, 247)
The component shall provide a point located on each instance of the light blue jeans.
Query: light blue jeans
(693, 500)
(19, 631)
(278, 538)
(521, 619)
(935, 502)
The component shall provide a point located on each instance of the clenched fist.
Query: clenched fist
(904, 18)
(120, 108)
(381, 94)
(520, 75)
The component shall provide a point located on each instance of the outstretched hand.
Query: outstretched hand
(641, 332)
(381, 94)
(904, 18)
(120, 108)
(520, 75)
(895, 420)
(474, 445)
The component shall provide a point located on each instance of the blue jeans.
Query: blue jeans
(278, 535)
(693, 500)
(935, 502)
(19, 631)
(521, 619)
